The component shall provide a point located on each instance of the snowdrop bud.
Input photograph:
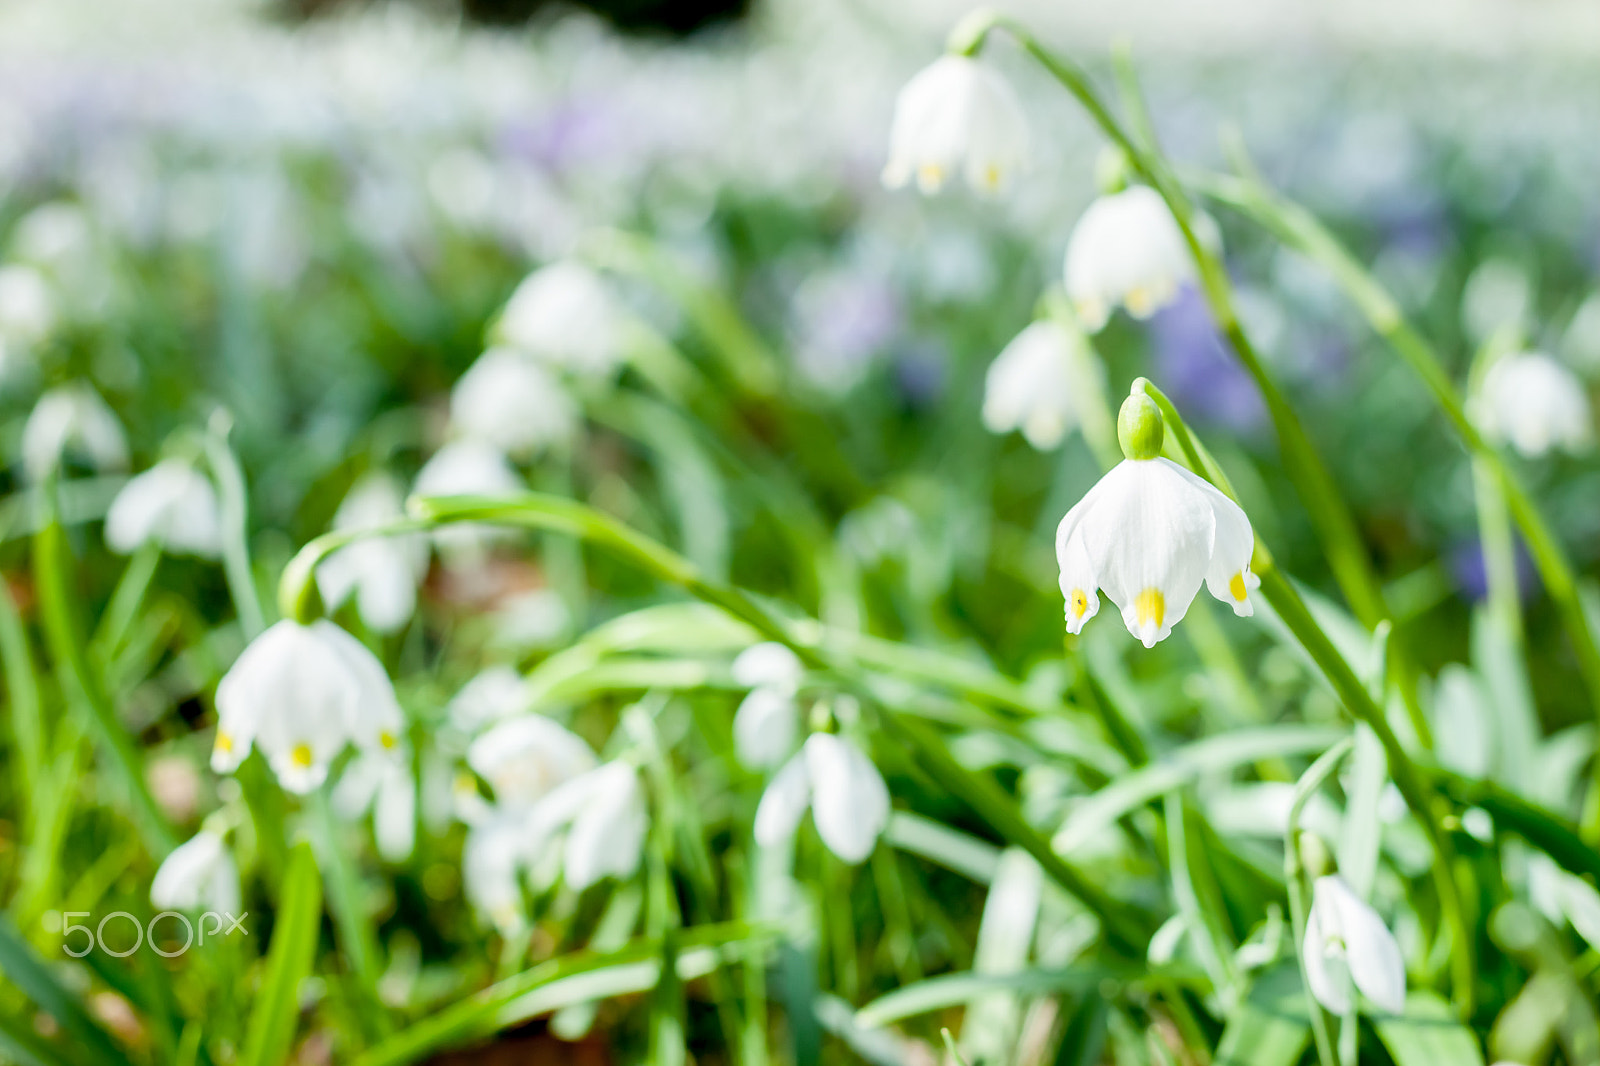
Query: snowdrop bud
(381, 572)
(847, 796)
(607, 835)
(565, 315)
(199, 874)
(1126, 250)
(172, 504)
(72, 416)
(510, 401)
(768, 665)
(1148, 534)
(956, 114)
(1035, 384)
(524, 758)
(302, 693)
(1535, 403)
(1346, 942)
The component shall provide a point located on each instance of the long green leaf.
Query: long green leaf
(289, 960)
(1269, 1028)
(28, 972)
(956, 989)
(1428, 1034)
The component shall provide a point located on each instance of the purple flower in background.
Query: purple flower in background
(843, 320)
(1196, 369)
(1468, 568)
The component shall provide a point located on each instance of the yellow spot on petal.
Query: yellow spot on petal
(1140, 302)
(1236, 586)
(991, 176)
(224, 742)
(1080, 603)
(1150, 607)
(930, 177)
(301, 756)
(386, 739)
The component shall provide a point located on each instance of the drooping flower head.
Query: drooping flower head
(381, 572)
(565, 316)
(1035, 384)
(1535, 403)
(172, 504)
(1346, 942)
(72, 417)
(1149, 534)
(1127, 251)
(302, 693)
(846, 794)
(198, 873)
(768, 719)
(507, 399)
(956, 115)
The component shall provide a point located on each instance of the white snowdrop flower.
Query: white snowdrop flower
(301, 693)
(1535, 403)
(524, 758)
(493, 694)
(1148, 534)
(381, 782)
(467, 468)
(198, 874)
(606, 835)
(509, 400)
(1036, 383)
(72, 417)
(768, 720)
(381, 572)
(491, 870)
(566, 316)
(1126, 250)
(768, 665)
(956, 115)
(27, 310)
(172, 504)
(846, 794)
(1346, 942)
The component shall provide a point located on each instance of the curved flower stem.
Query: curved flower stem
(1420, 798)
(1124, 927)
(1336, 527)
(1293, 872)
(235, 525)
(1301, 230)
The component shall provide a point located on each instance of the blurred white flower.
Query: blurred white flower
(603, 812)
(1346, 942)
(301, 693)
(1535, 403)
(956, 114)
(494, 693)
(199, 873)
(173, 504)
(491, 870)
(565, 316)
(381, 572)
(510, 401)
(768, 719)
(72, 417)
(381, 781)
(467, 468)
(1126, 250)
(525, 757)
(846, 794)
(1148, 534)
(27, 311)
(1035, 384)
(537, 618)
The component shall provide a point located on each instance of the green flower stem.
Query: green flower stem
(1301, 230)
(22, 699)
(1125, 928)
(235, 527)
(1419, 797)
(124, 605)
(1293, 874)
(357, 938)
(79, 680)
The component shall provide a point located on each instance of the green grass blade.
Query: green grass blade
(28, 972)
(289, 960)
(957, 989)
(1270, 1027)
(1428, 1034)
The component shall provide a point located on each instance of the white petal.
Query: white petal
(1371, 951)
(1534, 402)
(1078, 584)
(171, 503)
(394, 816)
(849, 800)
(768, 665)
(566, 316)
(509, 400)
(67, 416)
(765, 727)
(525, 757)
(607, 836)
(956, 114)
(186, 878)
(1127, 249)
(490, 872)
(375, 717)
(494, 693)
(1325, 969)
(1030, 385)
(1228, 576)
(783, 803)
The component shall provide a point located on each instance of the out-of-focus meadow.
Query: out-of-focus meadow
(534, 787)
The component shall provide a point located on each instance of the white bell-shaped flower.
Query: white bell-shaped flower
(381, 782)
(493, 694)
(605, 835)
(27, 311)
(1128, 251)
(956, 115)
(1036, 382)
(848, 799)
(1148, 534)
(1535, 403)
(1346, 942)
(381, 572)
(767, 722)
(172, 504)
(72, 417)
(509, 400)
(198, 874)
(525, 757)
(301, 693)
(564, 315)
